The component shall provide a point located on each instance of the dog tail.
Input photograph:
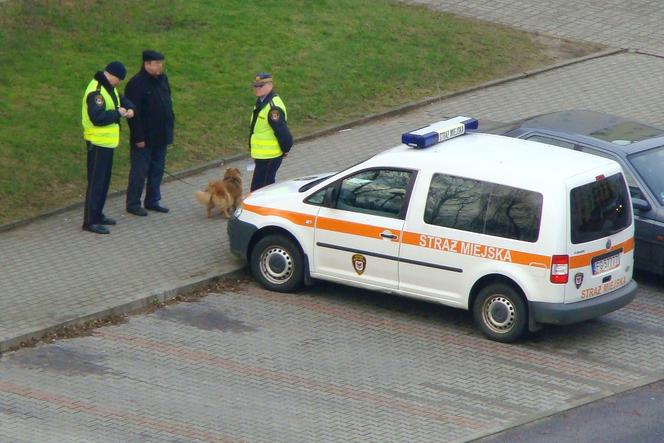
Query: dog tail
(203, 197)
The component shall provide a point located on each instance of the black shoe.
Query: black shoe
(137, 211)
(158, 208)
(108, 221)
(97, 229)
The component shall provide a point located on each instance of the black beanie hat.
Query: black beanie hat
(150, 54)
(117, 69)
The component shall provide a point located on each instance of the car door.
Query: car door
(430, 262)
(460, 229)
(358, 230)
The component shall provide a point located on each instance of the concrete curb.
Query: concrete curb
(142, 301)
(427, 101)
(641, 52)
(169, 177)
(332, 129)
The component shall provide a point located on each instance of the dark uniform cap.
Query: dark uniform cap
(117, 69)
(262, 78)
(150, 54)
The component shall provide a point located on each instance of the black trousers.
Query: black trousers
(100, 165)
(146, 164)
(265, 172)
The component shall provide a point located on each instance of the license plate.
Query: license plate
(603, 264)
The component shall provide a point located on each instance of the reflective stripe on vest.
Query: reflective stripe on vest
(106, 136)
(264, 143)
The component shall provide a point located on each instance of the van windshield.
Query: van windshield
(599, 209)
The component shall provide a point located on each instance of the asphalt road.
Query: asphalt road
(633, 416)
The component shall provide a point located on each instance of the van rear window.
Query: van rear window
(599, 209)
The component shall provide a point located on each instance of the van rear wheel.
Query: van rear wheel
(500, 313)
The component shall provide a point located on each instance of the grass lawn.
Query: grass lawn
(333, 61)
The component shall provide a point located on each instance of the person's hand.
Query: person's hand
(285, 154)
(122, 111)
(140, 145)
(130, 113)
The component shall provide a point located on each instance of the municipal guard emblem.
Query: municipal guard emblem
(608, 244)
(578, 279)
(275, 116)
(359, 263)
(99, 101)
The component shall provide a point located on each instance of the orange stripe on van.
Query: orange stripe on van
(329, 224)
(583, 260)
(347, 227)
(296, 217)
(476, 250)
(428, 241)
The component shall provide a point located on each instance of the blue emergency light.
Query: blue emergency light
(438, 132)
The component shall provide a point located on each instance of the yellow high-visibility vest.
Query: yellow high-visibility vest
(106, 136)
(263, 142)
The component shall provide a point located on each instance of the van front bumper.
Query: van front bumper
(567, 313)
(239, 236)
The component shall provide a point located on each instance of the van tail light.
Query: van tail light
(559, 269)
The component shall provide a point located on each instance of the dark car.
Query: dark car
(637, 147)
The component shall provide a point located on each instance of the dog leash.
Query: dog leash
(165, 171)
(179, 179)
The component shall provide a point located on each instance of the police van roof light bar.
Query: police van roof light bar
(438, 132)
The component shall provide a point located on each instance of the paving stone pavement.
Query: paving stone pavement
(331, 364)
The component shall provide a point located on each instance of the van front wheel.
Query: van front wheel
(500, 313)
(277, 263)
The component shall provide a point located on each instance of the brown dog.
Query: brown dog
(222, 194)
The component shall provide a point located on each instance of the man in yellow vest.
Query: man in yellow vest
(102, 109)
(269, 139)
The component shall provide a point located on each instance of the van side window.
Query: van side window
(483, 207)
(456, 202)
(316, 198)
(376, 191)
(599, 209)
(513, 213)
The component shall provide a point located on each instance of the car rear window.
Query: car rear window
(599, 209)
(483, 207)
(626, 131)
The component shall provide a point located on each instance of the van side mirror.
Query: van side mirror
(641, 205)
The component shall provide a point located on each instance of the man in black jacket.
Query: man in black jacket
(151, 131)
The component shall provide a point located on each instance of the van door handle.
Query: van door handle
(388, 234)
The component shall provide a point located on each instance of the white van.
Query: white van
(519, 232)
